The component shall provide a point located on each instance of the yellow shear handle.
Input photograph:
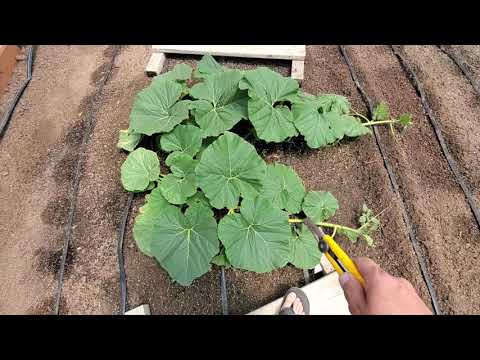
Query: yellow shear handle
(347, 263)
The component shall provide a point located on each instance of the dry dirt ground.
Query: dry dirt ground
(73, 87)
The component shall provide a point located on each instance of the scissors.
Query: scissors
(340, 261)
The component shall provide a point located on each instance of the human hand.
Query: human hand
(384, 294)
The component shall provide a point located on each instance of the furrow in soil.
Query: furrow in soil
(443, 221)
(456, 107)
(355, 173)
(38, 155)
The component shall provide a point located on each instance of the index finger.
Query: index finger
(368, 268)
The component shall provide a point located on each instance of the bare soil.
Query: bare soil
(456, 105)
(471, 55)
(443, 220)
(40, 150)
(35, 155)
(93, 286)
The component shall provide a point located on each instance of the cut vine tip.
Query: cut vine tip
(381, 112)
(405, 120)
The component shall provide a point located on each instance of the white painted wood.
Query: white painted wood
(298, 69)
(140, 310)
(285, 52)
(327, 267)
(155, 64)
(317, 269)
(325, 296)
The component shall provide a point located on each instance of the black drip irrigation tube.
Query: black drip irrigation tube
(438, 133)
(9, 112)
(463, 66)
(223, 291)
(67, 232)
(411, 233)
(120, 259)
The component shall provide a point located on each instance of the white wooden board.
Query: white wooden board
(325, 264)
(139, 310)
(325, 296)
(295, 53)
(155, 64)
(285, 52)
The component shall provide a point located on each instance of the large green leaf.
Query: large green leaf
(128, 140)
(221, 259)
(184, 245)
(283, 187)
(178, 186)
(181, 72)
(304, 249)
(199, 199)
(221, 103)
(336, 103)
(273, 122)
(154, 202)
(139, 169)
(258, 238)
(156, 109)
(184, 138)
(229, 168)
(322, 128)
(319, 205)
(208, 66)
(155, 207)
(324, 102)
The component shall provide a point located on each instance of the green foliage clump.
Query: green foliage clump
(221, 203)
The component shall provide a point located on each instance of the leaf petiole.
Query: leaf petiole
(355, 113)
(335, 227)
(328, 225)
(334, 232)
(232, 210)
(379, 122)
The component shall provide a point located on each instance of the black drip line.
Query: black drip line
(120, 258)
(438, 133)
(411, 233)
(463, 66)
(67, 232)
(11, 107)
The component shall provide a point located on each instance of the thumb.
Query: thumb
(354, 293)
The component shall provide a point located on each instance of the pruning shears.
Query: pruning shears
(340, 261)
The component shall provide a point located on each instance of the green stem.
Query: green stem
(378, 122)
(334, 232)
(328, 225)
(360, 115)
(336, 226)
(295, 220)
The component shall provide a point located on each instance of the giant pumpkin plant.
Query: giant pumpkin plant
(220, 202)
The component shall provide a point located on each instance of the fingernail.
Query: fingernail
(344, 278)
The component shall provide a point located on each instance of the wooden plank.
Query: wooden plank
(155, 64)
(8, 60)
(297, 69)
(284, 52)
(325, 296)
(140, 310)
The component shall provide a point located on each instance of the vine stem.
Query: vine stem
(378, 122)
(328, 225)
(295, 220)
(360, 115)
(335, 227)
